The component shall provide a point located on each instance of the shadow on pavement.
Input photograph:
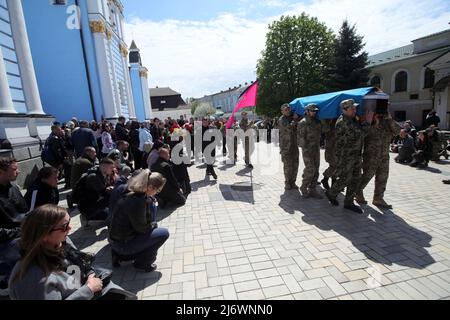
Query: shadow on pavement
(387, 239)
(103, 260)
(85, 237)
(245, 172)
(202, 184)
(429, 169)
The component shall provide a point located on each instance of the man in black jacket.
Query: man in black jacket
(172, 193)
(56, 147)
(82, 138)
(122, 132)
(13, 208)
(94, 192)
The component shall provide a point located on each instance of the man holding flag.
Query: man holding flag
(245, 125)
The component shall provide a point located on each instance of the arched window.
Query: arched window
(375, 81)
(428, 81)
(401, 81)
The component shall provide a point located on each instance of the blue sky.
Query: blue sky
(201, 10)
(199, 47)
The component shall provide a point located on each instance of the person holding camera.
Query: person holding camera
(46, 270)
(376, 158)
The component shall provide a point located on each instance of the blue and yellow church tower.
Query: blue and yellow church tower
(81, 60)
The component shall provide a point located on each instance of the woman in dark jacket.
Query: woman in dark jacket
(211, 158)
(44, 190)
(132, 233)
(46, 268)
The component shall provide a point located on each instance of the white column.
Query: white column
(114, 82)
(146, 97)
(103, 73)
(130, 99)
(6, 104)
(30, 87)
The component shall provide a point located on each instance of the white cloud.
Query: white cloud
(202, 57)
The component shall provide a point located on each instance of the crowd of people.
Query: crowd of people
(122, 173)
(117, 174)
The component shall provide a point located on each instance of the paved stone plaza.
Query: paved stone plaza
(229, 243)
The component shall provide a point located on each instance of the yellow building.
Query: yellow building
(416, 77)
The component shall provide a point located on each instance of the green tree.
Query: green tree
(194, 104)
(349, 68)
(294, 63)
(204, 110)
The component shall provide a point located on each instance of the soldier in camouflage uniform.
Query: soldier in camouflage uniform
(309, 132)
(288, 147)
(246, 125)
(329, 129)
(376, 158)
(349, 142)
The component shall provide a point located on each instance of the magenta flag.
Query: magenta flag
(246, 99)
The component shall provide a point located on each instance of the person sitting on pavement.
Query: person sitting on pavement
(154, 153)
(406, 147)
(44, 190)
(424, 150)
(43, 273)
(121, 153)
(172, 193)
(120, 186)
(83, 164)
(93, 197)
(132, 232)
(437, 139)
(13, 209)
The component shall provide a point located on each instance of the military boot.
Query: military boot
(287, 186)
(360, 198)
(380, 203)
(325, 183)
(314, 194)
(332, 200)
(304, 191)
(353, 207)
(294, 186)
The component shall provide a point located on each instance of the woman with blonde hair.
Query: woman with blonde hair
(46, 271)
(133, 233)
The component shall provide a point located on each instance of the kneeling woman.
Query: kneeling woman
(43, 271)
(132, 233)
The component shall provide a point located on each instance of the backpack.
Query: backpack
(79, 189)
(47, 153)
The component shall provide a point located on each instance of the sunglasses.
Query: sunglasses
(65, 227)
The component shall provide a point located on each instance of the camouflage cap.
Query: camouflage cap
(348, 104)
(312, 107)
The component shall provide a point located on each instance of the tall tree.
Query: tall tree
(295, 62)
(349, 69)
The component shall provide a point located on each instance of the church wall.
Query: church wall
(58, 59)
